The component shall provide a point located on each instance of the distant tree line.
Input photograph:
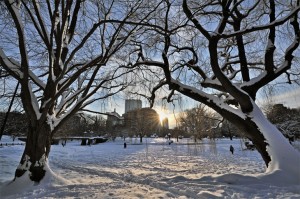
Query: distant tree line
(16, 123)
(200, 122)
(77, 125)
(286, 119)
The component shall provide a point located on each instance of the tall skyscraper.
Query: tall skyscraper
(165, 123)
(132, 104)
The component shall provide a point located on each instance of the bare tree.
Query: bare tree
(220, 53)
(15, 124)
(286, 119)
(197, 121)
(65, 55)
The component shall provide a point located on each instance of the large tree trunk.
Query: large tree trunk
(274, 148)
(36, 152)
(141, 138)
(253, 133)
(283, 155)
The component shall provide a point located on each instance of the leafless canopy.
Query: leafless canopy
(67, 54)
(222, 52)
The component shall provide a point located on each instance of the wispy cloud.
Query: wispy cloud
(290, 98)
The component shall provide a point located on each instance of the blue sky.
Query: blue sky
(290, 98)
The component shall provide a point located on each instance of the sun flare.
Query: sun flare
(162, 115)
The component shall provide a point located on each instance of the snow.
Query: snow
(34, 102)
(26, 163)
(212, 81)
(210, 98)
(270, 45)
(11, 64)
(285, 160)
(114, 114)
(254, 80)
(153, 169)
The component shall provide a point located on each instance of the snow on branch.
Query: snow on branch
(34, 102)
(268, 76)
(208, 99)
(68, 98)
(11, 65)
(62, 100)
(37, 80)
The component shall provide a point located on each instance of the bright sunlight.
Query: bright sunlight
(162, 115)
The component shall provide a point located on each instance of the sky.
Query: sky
(166, 110)
(289, 96)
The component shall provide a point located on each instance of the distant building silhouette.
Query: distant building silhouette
(165, 123)
(132, 104)
(113, 119)
(145, 120)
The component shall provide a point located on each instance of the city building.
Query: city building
(114, 119)
(143, 121)
(165, 123)
(132, 104)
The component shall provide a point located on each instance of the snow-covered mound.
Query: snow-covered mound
(153, 169)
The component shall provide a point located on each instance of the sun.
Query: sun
(162, 115)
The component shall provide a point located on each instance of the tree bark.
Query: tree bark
(36, 152)
(274, 148)
(252, 132)
(268, 140)
(141, 138)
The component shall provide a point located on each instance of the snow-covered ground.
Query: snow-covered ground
(154, 169)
